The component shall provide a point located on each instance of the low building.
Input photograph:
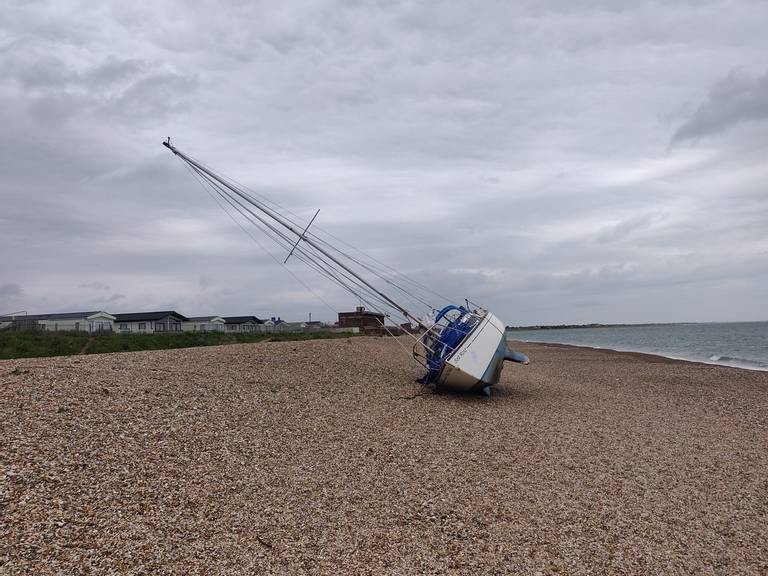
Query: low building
(288, 327)
(204, 324)
(149, 322)
(361, 318)
(92, 321)
(241, 323)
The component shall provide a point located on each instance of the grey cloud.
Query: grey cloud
(95, 285)
(44, 73)
(130, 89)
(116, 297)
(624, 228)
(7, 290)
(113, 70)
(12, 298)
(737, 98)
(152, 96)
(513, 155)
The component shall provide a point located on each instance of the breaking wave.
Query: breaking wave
(739, 362)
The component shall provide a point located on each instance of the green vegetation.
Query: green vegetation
(38, 344)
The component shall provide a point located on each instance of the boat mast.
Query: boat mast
(301, 236)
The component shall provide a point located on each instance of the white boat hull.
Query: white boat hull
(476, 364)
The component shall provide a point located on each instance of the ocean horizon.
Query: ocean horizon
(735, 344)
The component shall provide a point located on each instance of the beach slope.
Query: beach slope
(325, 457)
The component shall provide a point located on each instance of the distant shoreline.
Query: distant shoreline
(596, 325)
(565, 326)
(644, 353)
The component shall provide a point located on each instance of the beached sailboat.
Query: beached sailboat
(461, 347)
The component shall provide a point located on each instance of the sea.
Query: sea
(739, 344)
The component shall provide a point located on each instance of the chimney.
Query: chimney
(360, 309)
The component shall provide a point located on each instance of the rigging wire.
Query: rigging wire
(315, 261)
(260, 197)
(283, 241)
(296, 277)
(321, 252)
(383, 324)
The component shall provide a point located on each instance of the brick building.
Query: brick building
(361, 318)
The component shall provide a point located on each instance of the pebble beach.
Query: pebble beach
(325, 457)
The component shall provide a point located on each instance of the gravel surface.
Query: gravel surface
(321, 457)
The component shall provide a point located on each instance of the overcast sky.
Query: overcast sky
(563, 161)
